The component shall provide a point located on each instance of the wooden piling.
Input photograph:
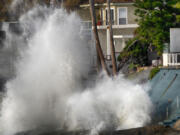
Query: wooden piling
(98, 46)
(114, 65)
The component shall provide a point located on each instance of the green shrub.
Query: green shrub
(119, 58)
(153, 72)
(135, 52)
(178, 18)
(133, 66)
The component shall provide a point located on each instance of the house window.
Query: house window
(102, 16)
(178, 58)
(112, 16)
(122, 15)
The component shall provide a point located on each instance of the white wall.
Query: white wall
(175, 40)
(165, 59)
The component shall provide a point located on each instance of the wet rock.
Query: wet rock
(177, 125)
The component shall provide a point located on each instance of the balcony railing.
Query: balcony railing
(86, 25)
(115, 24)
(171, 59)
(174, 59)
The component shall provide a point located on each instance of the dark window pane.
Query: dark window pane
(122, 20)
(102, 15)
(178, 58)
(112, 16)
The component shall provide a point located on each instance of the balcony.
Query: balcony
(103, 25)
(86, 25)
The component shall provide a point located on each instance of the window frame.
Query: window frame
(114, 16)
(102, 14)
(126, 8)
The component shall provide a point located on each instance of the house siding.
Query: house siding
(119, 45)
(103, 40)
(130, 13)
(84, 13)
(131, 16)
(119, 42)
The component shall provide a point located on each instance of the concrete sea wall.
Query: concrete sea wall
(165, 95)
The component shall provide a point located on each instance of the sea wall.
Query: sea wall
(165, 94)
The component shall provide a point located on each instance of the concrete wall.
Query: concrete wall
(164, 92)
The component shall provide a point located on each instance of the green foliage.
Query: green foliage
(136, 51)
(178, 5)
(4, 6)
(155, 20)
(178, 16)
(153, 72)
(133, 66)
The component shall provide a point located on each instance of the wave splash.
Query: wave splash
(48, 92)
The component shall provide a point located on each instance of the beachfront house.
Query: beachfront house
(171, 55)
(123, 19)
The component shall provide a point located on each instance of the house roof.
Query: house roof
(112, 1)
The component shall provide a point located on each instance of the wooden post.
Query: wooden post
(98, 62)
(98, 46)
(114, 65)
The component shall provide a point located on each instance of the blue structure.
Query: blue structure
(165, 95)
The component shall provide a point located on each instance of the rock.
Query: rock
(177, 125)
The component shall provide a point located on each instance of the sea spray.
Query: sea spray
(47, 91)
(50, 68)
(113, 104)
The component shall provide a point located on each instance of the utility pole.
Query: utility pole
(114, 65)
(98, 46)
